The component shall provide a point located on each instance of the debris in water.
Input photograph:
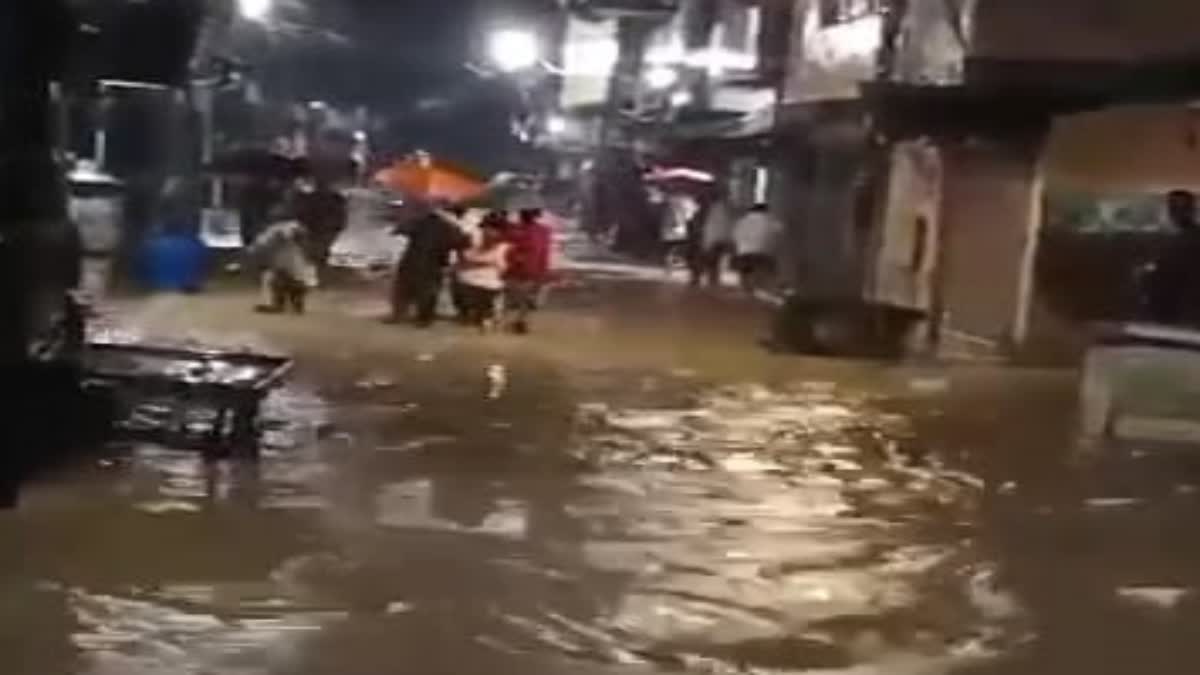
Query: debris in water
(964, 478)
(1112, 502)
(497, 377)
(929, 385)
(983, 589)
(830, 450)
(1154, 597)
(166, 507)
(834, 465)
(818, 387)
(872, 484)
(746, 462)
(592, 413)
(376, 382)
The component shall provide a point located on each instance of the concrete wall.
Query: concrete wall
(829, 62)
(589, 55)
(823, 212)
(1085, 30)
(990, 216)
(909, 234)
(933, 42)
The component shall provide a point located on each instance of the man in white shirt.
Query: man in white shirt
(754, 238)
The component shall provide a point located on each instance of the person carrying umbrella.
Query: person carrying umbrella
(420, 273)
(324, 213)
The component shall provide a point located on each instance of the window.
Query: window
(841, 11)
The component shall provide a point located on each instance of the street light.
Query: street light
(682, 99)
(255, 10)
(556, 125)
(512, 50)
(662, 77)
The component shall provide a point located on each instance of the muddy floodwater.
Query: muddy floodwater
(443, 503)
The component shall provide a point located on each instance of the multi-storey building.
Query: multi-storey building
(919, 138)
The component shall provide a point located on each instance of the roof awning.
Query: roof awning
(1008, 94)
(757, 124)
(903, 108)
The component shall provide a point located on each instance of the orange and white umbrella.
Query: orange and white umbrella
(423, 179)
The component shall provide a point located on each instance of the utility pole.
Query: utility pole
(620, 193)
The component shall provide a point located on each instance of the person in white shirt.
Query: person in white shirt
(480, 272)
(679, 216)
(754, 238)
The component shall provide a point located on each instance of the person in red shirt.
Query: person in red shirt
(530, 243)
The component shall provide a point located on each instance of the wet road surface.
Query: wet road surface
(635, 489)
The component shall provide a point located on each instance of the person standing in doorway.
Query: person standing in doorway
(530, 242)
(754, 238)
(480, 272)
(1175, 284)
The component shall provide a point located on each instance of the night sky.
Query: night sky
(405, 58)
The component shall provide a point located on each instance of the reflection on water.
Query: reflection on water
(783, 531)
(558, 521)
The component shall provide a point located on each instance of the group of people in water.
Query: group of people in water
(707, 234)
(497, 266)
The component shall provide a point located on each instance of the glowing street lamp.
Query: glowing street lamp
(513, 50)
(255, 10)
(556, 125)
(662, 77)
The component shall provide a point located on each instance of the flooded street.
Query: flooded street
(636, 489)
(244, 436)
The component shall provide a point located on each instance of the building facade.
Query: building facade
(919, 138)
(694, 81)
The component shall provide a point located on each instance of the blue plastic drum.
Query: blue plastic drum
(174, 262)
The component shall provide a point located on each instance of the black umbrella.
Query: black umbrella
(510, 192)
